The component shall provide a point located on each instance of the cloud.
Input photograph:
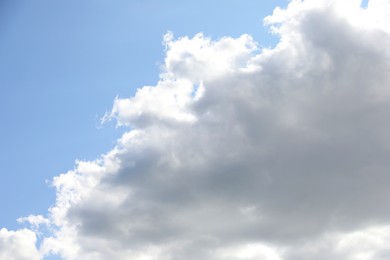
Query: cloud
(18, 245)
(246, 153)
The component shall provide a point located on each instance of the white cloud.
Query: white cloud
(34, 220)
(18, 245)
(243, 153)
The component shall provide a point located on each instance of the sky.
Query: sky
(188, 130)
(64, 62)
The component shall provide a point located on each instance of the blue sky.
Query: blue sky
(63, 63)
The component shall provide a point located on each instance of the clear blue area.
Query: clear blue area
(364, 3)
(62, 63)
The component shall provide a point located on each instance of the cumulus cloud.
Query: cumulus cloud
(245, 153)
(18, 245)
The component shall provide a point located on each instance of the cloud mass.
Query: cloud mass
(240, 152)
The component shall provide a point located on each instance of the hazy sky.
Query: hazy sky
(232, 144)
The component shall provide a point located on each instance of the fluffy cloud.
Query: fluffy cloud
(246, 153)
(18, 245)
